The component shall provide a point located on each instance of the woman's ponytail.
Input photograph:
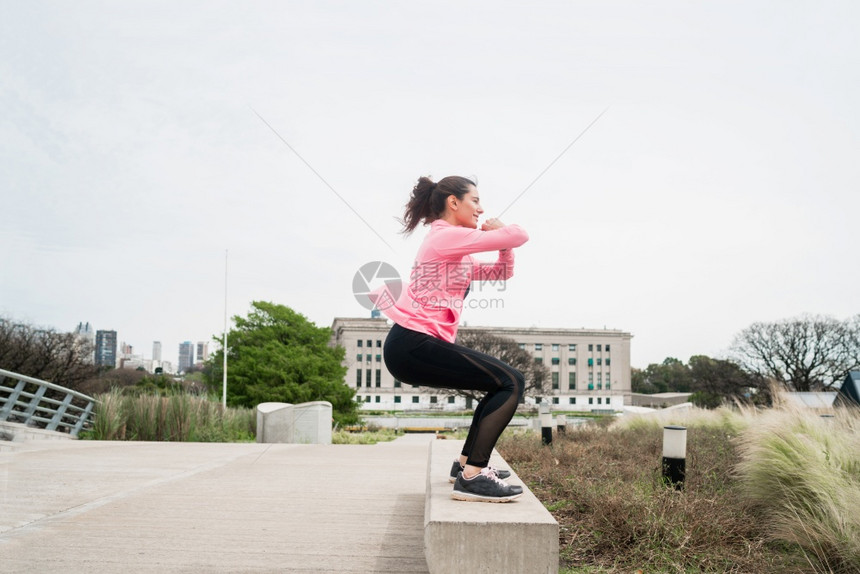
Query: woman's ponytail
(427, 202)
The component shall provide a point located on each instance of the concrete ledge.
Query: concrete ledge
(19, 432)
(519, 536)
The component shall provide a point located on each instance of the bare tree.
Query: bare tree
(852, 342)
(507, 350)
(60, 358)
(806, 353)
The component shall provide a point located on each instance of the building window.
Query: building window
(607, 385)
(538, 347)
(367, 399)
(572, 400)
(379, 343)
(415, 399)
(378, 358)
(359, 343)
(377, 398)
(590, 347)
(358, 377)
(555, 380)
(397, 398)
(590, 362)
(571, 347)
(522, 345)
(396, 384)
(598, 348)
(537, 400)
(591, 400)
(358, 357)
(555, 400)
(433, 400)
(539, 360)
(369, 343)
(607, 361)
(599, 400)
(590, 378)
(378, 377)
(571, 360)
(555, 360)
(555, 346)
(450, 400)
(367, 378)
(607, 348)
(599, 360)
(571, 381)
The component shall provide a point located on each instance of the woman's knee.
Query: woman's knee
(520, 382)
(515, 383)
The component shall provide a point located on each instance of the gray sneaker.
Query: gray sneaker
(484, 487)
(456, 469)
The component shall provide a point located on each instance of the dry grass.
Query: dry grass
(604, 486)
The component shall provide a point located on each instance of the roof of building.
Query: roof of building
(822, 400)
(849, 393)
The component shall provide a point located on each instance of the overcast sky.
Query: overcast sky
(719, 188)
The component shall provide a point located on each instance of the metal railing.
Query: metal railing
(43, 405)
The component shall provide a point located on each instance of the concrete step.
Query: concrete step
(519, 536)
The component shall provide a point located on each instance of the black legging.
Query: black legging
(420, 359)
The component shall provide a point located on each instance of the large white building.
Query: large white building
(590, 368)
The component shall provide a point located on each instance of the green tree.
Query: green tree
(638, 382)
(672, 375)
(715, 381)
(277, 355)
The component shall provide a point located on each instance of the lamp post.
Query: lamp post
(545, 424)
(675, 455)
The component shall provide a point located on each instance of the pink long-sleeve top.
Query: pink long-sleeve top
(432, 301)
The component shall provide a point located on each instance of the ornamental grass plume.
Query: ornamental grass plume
(803, 473)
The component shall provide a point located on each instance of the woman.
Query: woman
(420, 347)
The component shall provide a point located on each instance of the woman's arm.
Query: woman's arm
(502, 269)
(457, 241)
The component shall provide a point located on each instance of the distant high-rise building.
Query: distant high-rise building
(202, 352)
(156, 351)
(105, 352)
(186, 356)
(85, 334)
(85, 331)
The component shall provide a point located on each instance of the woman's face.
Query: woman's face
(465, 211)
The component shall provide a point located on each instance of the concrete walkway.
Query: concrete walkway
(88, 506)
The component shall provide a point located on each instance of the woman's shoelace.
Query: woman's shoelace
(489, 473)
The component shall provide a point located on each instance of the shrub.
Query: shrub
(175, 416)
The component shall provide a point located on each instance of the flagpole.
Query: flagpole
(224, 347)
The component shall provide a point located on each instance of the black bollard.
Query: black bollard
(675, 455)
(545, 424)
